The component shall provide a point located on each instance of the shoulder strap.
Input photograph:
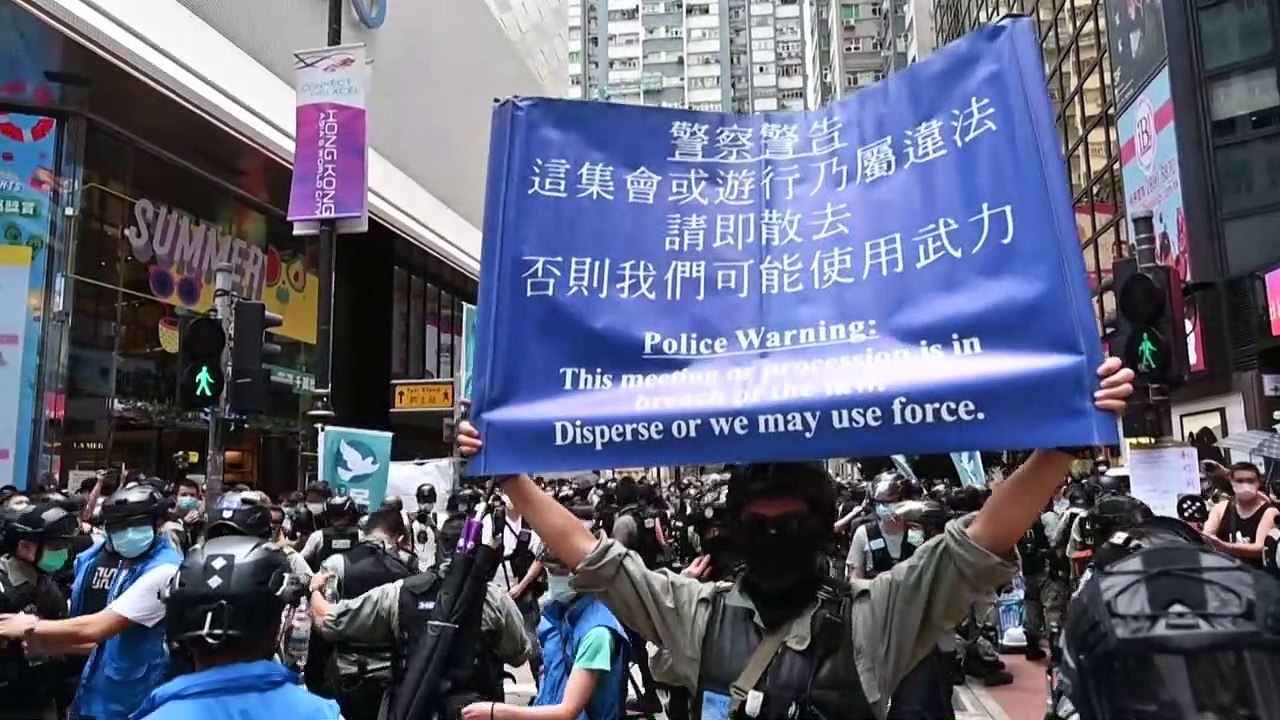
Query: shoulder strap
(750, 676)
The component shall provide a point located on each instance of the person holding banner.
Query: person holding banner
(784, 637)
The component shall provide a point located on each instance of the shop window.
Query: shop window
(419, 312)
(1248, 174)
(445, 327)
(1244, 102)
(1251, 242)
(1234, 31)
(400, 324)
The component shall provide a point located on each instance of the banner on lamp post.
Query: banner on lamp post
(331, 156)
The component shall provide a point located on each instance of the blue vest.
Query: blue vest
(122, 671)
(560, 631)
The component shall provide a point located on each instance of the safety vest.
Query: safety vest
(881, 559)
(335, 540)
(647, 546)
(821, 681)
(416, 603)
(22, 683)
(560, 632)
(122, 671)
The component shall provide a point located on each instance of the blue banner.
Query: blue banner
(356, 462)
(898, 272)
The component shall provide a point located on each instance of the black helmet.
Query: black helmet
(43, 522)
(1175, 630)
(231, 587)
(238, 514)
(463, 501)
(134, 504)
(928, 514)
(341, 506)
(426, 495)
(320, 487)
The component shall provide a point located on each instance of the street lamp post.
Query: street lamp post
(321, 411)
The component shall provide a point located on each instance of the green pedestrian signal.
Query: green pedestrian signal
(204, 382)
(1148, 354)
(201, 379)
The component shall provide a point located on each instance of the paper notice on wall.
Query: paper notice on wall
(1157, 476)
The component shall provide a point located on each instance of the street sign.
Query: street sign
(421, 395)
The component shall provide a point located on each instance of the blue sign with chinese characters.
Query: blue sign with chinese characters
(896, 273)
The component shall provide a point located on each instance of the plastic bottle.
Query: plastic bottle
(299, 635)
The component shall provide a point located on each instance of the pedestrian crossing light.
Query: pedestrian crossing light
(251, 354)
(201, 381)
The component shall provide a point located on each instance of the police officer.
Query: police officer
(225, 606)
(457, 509)
(359, 672)
(797, 645)
(639, 529)
(340, 533)
(392, 618)
(1044, 572)
(878, 546)
(36, 543)
(423, 527)
(129, 657)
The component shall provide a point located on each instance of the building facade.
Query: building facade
(918, 29)
(857, 57)
(132, 135)
(720, 55)
(1174, 108)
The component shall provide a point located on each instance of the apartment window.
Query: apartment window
(849, 12)
(575, 33)
(575, 56)
(764, 45)
(850, 80)
(789, 47)
(790, 70)
(698, 10)
(875, 10)
(628, 14)
(704, 34)
(761, 20)
(764, 69)
(624, 64)
(704, 82)
(710, 107)
(703, 59)
(791, 94)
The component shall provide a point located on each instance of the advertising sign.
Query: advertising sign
(331, 157)
(1152, 181)
(1135, 34)
(466, 373)
(1272, 280)
(669, 287)
(28, 156)
(182, 252)
(356, 462)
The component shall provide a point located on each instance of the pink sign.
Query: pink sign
(1273, 301)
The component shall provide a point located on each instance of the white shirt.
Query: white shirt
(506, 577)
(140, 602)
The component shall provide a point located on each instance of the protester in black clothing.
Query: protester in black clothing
(1239, 526)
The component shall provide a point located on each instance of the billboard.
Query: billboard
(1152, 181)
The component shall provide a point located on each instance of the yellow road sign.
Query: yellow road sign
(421, 395)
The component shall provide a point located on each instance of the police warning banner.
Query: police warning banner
(896, 273)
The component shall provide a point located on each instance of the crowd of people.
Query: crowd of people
(760, 591)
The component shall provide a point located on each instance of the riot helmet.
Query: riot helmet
(1167, 628)
(238, 514)
(40, 534)
(229, 594)
(426, 496)
(341, 510)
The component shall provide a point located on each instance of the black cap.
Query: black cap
(238, 514)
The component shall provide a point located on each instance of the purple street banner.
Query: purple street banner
(897, 272)
(331, 157)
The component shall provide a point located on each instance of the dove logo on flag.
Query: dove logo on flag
(356, 462)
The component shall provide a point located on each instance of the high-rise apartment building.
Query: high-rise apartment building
(730, 55)
(918, 29)
(857, 52)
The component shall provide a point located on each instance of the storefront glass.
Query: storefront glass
(150, 234)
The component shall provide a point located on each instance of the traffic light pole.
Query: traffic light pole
(215, 458)
(1159, 412)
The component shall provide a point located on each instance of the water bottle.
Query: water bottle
(299, 635)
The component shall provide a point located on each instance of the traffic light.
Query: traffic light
(1156, 349)
(200, 349)
(251, 381)
(1115, 329)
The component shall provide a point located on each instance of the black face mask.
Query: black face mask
(782, 556)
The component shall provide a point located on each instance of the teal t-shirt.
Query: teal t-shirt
(595, 652)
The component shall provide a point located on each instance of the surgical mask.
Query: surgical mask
(132, 541)
(51, 561)
(1244, 492)
(559, 588)
(915, 536)
(1061, 506)
(884, 511)
(290, 511)
(19, 505)
(187, 503)
(315, 508)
